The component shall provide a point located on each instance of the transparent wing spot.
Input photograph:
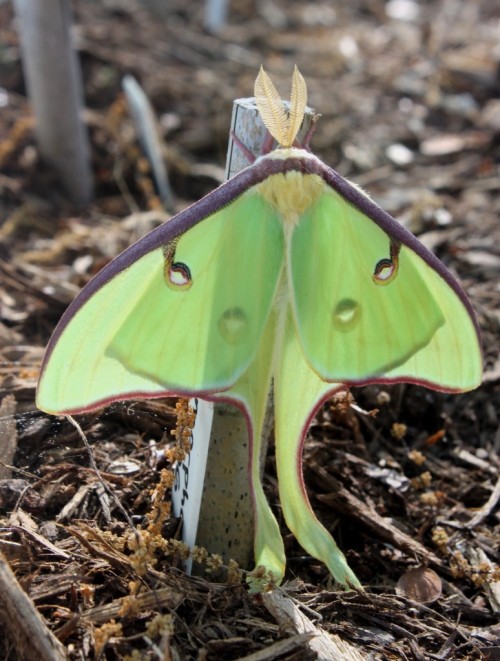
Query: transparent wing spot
(176, 274)
(386, 269)
(346, 314)
(233, 325)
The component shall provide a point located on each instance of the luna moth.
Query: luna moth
(287, 278)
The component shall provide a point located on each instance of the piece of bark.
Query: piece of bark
(289, 616)
(22, 623)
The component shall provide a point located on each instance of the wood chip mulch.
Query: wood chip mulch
(406, 479)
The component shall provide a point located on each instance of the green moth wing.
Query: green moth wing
(369, 307)
(183, 317)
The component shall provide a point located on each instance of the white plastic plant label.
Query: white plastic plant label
(190, 475)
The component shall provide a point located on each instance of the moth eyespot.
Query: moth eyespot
(233, 325)
(385, 271)
(346, 314)
(178, 276)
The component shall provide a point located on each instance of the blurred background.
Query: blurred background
(406, 89)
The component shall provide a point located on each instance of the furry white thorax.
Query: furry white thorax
(290, 193)
(288, 152)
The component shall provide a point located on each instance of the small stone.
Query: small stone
(399, 154)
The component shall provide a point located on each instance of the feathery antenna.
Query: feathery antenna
(281, 125)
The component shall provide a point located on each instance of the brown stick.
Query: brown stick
(22, 623)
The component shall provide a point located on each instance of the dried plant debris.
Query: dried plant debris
(406, 479)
